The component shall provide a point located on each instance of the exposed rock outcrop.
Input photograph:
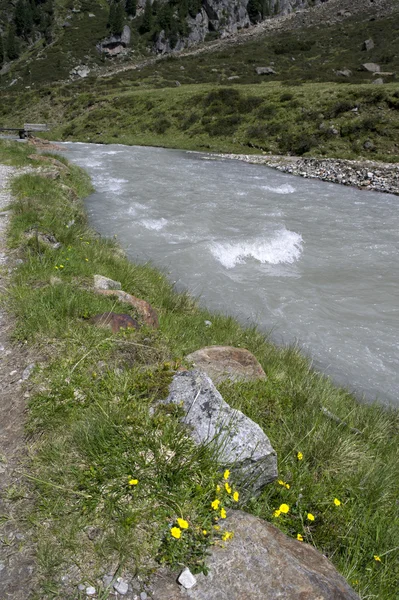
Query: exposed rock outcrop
(239, 443)
(224, 18)
(115, 44)
(260, 563)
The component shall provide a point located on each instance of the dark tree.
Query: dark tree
(11, 44)
(147, 22)
(116, 18)
(131, 7)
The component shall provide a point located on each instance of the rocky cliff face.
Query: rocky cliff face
(221, 18)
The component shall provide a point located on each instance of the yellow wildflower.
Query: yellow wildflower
(284, 508)
(227, 536)
(217, 527)
(61, 266)
(377, 558)
(299, 456)
(218, 489)
(299, 537)
(337, 502)
(182, 523)
(175, 532)
(236, 495)
(310, 517)
(227, 488)
(277, 513)
(223, 513)
(215, 504)
(133, 481)
(226, 474)
(86, 259)
(204, 532)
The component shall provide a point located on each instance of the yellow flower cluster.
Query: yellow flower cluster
(177, 531)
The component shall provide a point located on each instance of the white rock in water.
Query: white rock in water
(104, 283)
(121, 586)
(187, 579)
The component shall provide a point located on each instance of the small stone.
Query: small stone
(90, 591)
(107, 580)
(187, 579)
(143, 596)
(121, 586)
(104, 283)
(2, 566)
(12, 373)
(208, 323)
(81, 587)
(27, 372)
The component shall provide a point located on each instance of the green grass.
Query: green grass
(91, 428)
(315, 119)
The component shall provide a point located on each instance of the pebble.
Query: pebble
(26, 373)
(121, 586)
(90, 591)
(208, 323)
(187, 579)
(107, 580)
(143, 596)
(81, 587)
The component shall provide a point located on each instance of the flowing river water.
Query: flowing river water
(314, 263)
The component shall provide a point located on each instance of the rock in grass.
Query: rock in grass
(187, 579)
(121, 586)
(368, 45)
(265, 71)
(145, 309)
(226, 362)
(239, 443)
(371, 67)
(114, 321)
(104, 283)
(261, 563)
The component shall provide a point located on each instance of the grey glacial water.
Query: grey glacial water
(314, 262)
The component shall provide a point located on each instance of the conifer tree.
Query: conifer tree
(131, 7)
(11, 44)
(147, 22)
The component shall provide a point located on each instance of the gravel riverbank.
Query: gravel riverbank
(365, 175)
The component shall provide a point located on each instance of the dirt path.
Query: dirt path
(16, 556)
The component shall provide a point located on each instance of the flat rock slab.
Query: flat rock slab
(239, 443)
(260, 563)
(226, 362)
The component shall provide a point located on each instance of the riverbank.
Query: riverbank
(91, 430)
(363, 174)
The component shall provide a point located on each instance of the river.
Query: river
(313, 263)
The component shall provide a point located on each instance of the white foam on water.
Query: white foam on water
(285, 247)
(154, 224)
(281, 189)
(110, 184)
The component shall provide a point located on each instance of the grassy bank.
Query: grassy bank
(318, 119)
(110, 478)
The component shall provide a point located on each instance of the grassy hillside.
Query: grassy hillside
(318, 119)
(217, 101)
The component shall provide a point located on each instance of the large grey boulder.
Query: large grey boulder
(239, 443)
(265, 71)
(227, 363)
(371, 67)
(260, 563)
